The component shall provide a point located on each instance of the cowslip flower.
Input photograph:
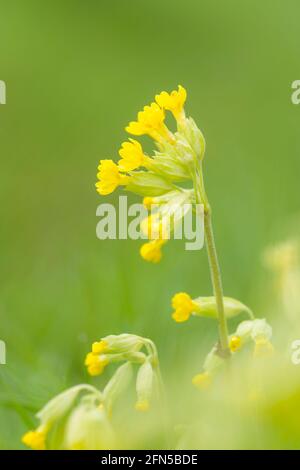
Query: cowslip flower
(150, 121)
(89, 428)
(206, 307)
(151, 251)
(184, 307)
(109, 177)
(36, 440)
(131, 349)
(53, 414)
(175, 159)
(173, 102)
(132, 156)
(212, 364)
(96, 363)
(115, 344)
(257, 331)
(144, 386)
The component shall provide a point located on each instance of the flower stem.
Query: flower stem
(215, 272)
(216, 282)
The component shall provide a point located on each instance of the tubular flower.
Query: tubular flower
(109, 177)
(150, 121)
(95, 363)
(144, 386)
(151, 251)
(36, 440)
(202, 381)
(132, 156)
(184, 307)
(235, 343)
(173, 101)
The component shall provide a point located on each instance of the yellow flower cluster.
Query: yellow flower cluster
(150, 121)
(155, 175)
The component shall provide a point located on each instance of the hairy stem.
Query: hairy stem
(216, 282)
(215, 272)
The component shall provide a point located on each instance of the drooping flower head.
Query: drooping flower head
(174, 160)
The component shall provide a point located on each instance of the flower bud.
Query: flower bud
(207, 307)
(118, 344)
(60, 405)
(165, 165)
(88, 428)
(194, 137)
(117, 384)
(144, 386)
(146, 183)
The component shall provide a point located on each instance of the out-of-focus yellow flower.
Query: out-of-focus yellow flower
(144, 386)
(109, 177)
(235, 343)
(263, 348)
(132, 156)
(155, 226)
(148, 202)
(151, 251)
(89, 428)
(95, 363)
(184, 307)
(142, 405)
(99, 347)
(150, 121)
(202, 381)
(36, 440)
(173, 101)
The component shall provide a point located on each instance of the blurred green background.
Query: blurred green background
(76, 73)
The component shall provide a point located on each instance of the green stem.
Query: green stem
(217, 283)
(215, 272)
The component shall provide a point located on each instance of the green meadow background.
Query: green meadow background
(76, 73)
